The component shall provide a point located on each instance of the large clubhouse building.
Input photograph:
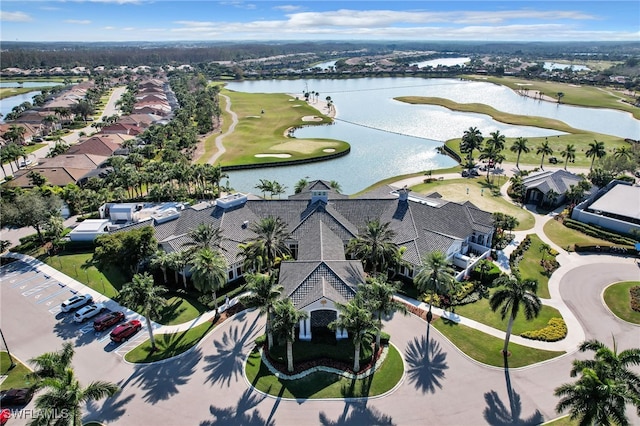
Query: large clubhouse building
(321, 222)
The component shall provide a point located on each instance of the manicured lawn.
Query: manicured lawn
(16, 376)
(530, 267)
(169, 345)
(618, 300)
(588, 96)
(481, 312)
(567, 238)
(562, 421)
(264, 133)
(79, 267)
(389, 181)
(325, 385)
(181, 306)
(480, 194)
(488, 349)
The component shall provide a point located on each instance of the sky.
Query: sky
(267, 20)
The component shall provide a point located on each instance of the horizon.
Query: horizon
(171, 21)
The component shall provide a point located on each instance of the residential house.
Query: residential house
(60, 170)
(615, 207)
(549, 188)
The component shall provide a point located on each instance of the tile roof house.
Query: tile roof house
(321, 222)
(557, 183)
(60, 170)
(95, 146)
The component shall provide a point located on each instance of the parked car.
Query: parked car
(88, 312)
(107, 320)
(25, 163)
(472, 172)
(126, 330)
(5, 415)
(76, 302)
(553, 160)
(16, 396)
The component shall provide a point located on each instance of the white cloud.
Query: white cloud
(77, 21)
(14, 16)
(287, 8)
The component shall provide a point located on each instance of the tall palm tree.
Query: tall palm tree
(594, 399)
(178, 261)
(209, 272)
(65, 394)
(357, 319)
(471, 140)
(263, 294)
(596, 150)
(375, 246)
(203, 236)
(513, 295)
(285, 319)
(142, 293)
(519, 146)
(497, 140)
(614, 365)
(161, 260)
(52, 364)
(492, 153)
(544, 149)
(300, 185)
(435, 277)
(270, 242)
(569, 154)
(378, 295)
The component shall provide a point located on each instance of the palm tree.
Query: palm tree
(435, 277)
(569, 154)
(203, 236)
(497, 140)
(142, 293)
(335, 185)
(596, 150)
(544, 149)
(560, 96)
(492, 153)
(209, 272)
(519, 146)
(550, 197)
(471, 140)
(513, 295)
(378, 295)
(263, 294)
(285, 319)
(595, 399)
(623, 153)
(270, 242)
(375, 246)
(544, 249)
(65, 394)
(613, 365)
(357, 319)
(177, 261)
(52, 364)
(161, 260)
(300, 185)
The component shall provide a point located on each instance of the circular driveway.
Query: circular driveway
(206, 386)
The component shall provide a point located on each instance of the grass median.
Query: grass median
(326, 385)
(17, 376)
(169, 345)
(618, 299)
(488, 349)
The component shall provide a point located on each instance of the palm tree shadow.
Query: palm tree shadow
(231, 350)
(244, 413)
(359, 414)
(497, 413)
(112, 408)
(426, 364)
(161, 381)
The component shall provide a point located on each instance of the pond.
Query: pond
(390, 138)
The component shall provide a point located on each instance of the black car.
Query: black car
(16, 396)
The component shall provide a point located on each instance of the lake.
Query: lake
(389, 138)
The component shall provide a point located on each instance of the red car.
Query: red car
(107, 320)
(5, 415)
(124, 331)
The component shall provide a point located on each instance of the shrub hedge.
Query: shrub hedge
(555, 330)
(634, 292)
(598, 232)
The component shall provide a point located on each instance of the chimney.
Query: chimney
(404, 193)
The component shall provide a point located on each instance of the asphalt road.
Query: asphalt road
(206, 386)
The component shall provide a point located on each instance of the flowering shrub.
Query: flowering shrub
(634, 292)
(555, 330)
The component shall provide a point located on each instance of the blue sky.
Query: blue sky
(172, 20)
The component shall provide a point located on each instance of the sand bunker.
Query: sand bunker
(311, 118)
(295, 106)
(328, 150)
(273, 155)
(253, 116)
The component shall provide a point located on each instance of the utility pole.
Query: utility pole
(13, 364)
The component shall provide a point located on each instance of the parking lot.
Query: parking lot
(39, 297)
